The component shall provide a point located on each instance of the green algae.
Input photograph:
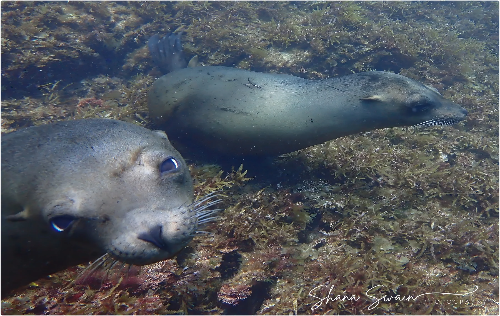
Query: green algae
(410, 211)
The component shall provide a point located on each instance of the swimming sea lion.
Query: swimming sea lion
(73, 190)
(239, 112)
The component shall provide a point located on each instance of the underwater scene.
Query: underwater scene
(331, 157)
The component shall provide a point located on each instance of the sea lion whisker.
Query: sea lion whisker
(97, 263)
(201, 208)
(205, 198)
(208, 217)
(91, 268)
(120, 269)
(206, 214)
(123, 267)
(208, 196)
(128, 270)
(202, 232)
(112, 263)
(208, 220)
(436, 122)
(107, 265)
(203, 214)
(108, 269)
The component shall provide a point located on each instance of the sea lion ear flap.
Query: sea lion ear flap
(374, 97)
(193, 62)
(19, 217)
(161, 134)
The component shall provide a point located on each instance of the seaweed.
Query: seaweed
(392, 213)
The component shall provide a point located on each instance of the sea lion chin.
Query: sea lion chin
(74, 190)
(232, 111)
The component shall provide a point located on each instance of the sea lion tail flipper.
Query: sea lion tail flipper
(167, 52)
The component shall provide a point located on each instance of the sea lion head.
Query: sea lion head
(74, 190)
(136, 204)
(115, 186)
(406, 102)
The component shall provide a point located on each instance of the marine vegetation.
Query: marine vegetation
(396, 221)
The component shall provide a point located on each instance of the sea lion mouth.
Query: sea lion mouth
(169, 235)
(438, 122)
(202, 213)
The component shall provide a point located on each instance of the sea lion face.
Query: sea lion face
(406, 102)
(113, 185)
(74, 190)
(137, 209)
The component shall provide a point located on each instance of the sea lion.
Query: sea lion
(74, 190)
(239, 112)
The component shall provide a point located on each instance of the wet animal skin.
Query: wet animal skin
(74, 190)
(234, 112)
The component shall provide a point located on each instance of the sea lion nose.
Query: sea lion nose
(154, 236)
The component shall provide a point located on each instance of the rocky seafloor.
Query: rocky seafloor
(397, 221)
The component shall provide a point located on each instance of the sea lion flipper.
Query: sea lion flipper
(167, 52)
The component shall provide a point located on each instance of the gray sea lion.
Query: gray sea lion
(240, 112)
(77, 189)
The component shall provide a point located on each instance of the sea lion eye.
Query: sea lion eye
(169, 165)
(420, 104)
(419, 107)
(62, 223)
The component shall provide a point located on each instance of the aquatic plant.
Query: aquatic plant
(405, 211)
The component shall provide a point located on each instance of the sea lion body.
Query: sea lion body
(76, 189)
(240, 112)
